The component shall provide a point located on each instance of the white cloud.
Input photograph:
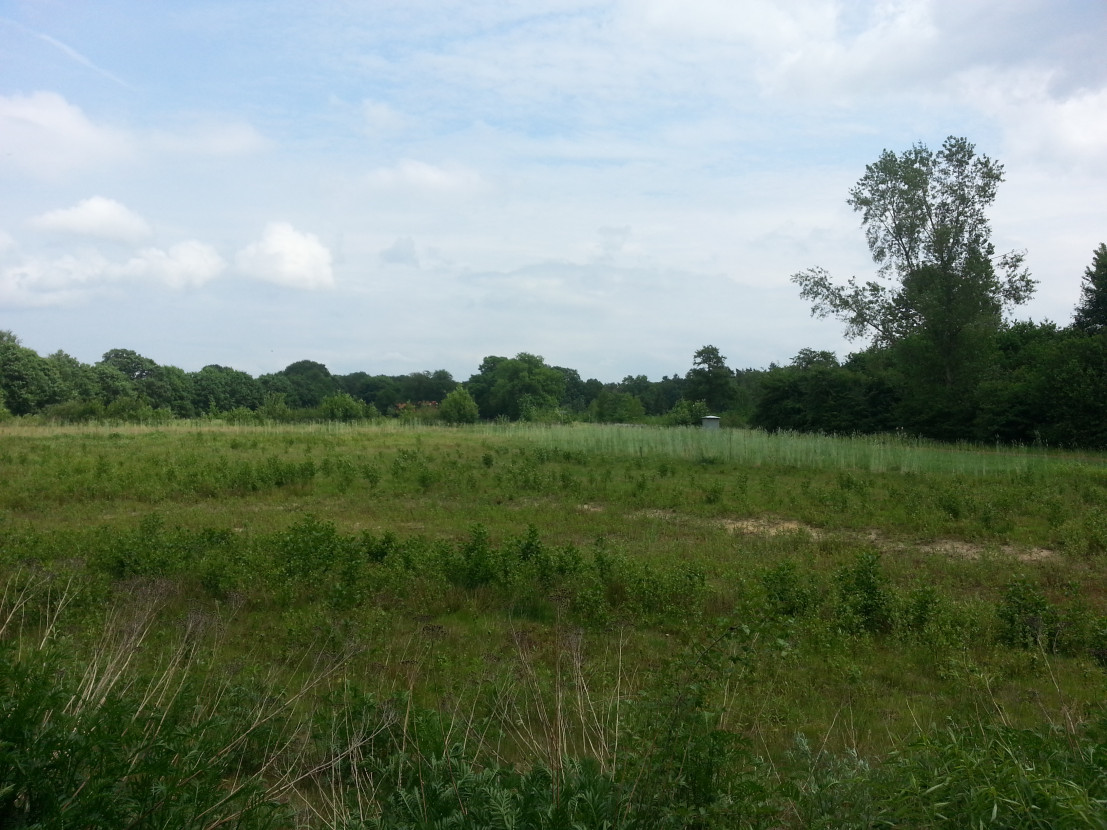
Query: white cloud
(98, 217)
(401, 252)
(287, 257)
(1040, 125)
(43, 135)
(37, 281)
(896, 49)
(7, 243)
(41, 282)
(826, 49)
(187, 264)
(413, 175)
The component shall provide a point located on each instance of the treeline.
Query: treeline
(1030, 383)
(125, 386)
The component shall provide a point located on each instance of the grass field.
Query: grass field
(386, 626)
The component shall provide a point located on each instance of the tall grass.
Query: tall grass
(878, 454)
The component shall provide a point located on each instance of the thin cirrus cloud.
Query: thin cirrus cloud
(212, 139)
(96, 217)
(288, 257)
(412, 175)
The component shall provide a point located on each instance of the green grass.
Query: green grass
(643, 620)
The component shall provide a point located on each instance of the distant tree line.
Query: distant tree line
(127, 386)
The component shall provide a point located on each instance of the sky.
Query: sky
(413, 185)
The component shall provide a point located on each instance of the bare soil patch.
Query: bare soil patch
(768, 527)
(967, 550)
(957, 548)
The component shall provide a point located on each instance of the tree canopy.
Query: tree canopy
(516, 387)
(1091, 312)
(710, 380)
(924, 214)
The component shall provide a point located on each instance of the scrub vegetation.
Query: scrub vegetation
(395, 625)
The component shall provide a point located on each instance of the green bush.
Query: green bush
(787, 593)
(965, 776)
(68, 762)
(864, 602)
(458, 407)
(1027, 618)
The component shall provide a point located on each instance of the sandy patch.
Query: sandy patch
(664, 515)
(967, 550)
(947, 547)
(767, 527)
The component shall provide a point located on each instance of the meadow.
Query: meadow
(401, 626)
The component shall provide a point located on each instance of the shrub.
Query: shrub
(1027, 619)
(458, 407)
(342, 406)
(687, 413)
(788, 594)
(864, 601)
(120, 761)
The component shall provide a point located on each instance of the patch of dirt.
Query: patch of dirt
(956, 548)
(590, 508)
(948, 547)
(967, 550)
(767, 527)
(666, 515)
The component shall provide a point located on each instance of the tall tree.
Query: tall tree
(940, 292)
(129, 362)
(578, 393)
(224, 389)
(710, 380)
(925, 221)
(310, 383)
(516, 387)
(78, 378)
(425, 386)
(168, 387)
(1091, 312)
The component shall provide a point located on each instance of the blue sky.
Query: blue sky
(401, 186)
